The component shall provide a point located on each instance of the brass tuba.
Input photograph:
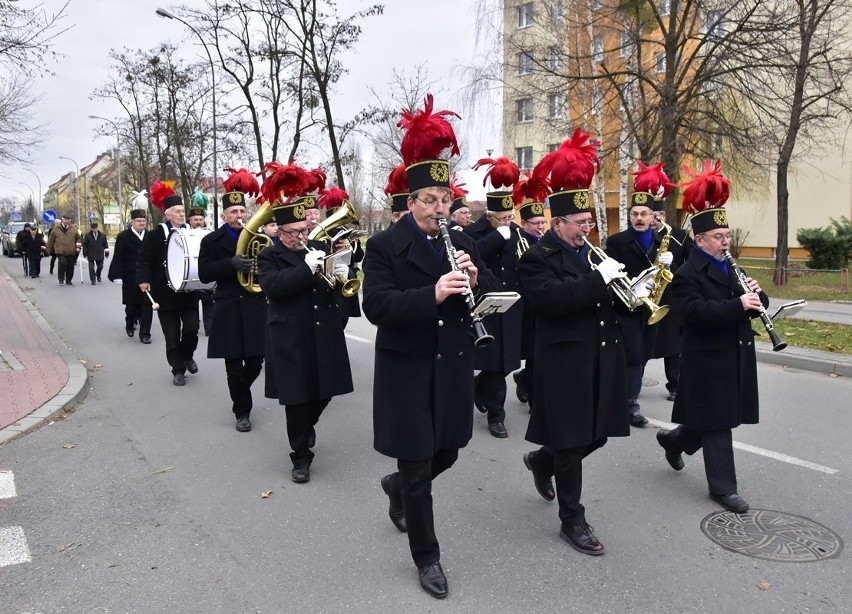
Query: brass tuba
(249, 245)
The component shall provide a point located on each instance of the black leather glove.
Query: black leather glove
(241, 263)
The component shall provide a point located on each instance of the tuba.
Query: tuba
(249, 245)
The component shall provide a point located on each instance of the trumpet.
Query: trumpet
(777, 343)
(624, 290)
(349, 287)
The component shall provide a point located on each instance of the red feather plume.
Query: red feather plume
(652, 179)
(457, 187)
(427, 134)
(332, 198)
(530, 188)
(397, 181)
(318, 181)
(503, 173)
(572, 166)
(159, 191)
(241, 181)
(290, 180)
(709, 188)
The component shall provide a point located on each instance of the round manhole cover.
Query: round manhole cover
(774, 536)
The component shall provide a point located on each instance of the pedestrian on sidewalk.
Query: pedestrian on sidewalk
(122, 271)
(63, 244)
(22, 241)
(34, 251)
(95, 249)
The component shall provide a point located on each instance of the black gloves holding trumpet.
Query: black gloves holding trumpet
(242, 264)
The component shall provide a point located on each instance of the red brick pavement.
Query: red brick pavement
(44, 372)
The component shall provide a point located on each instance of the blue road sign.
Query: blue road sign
(49, 216)
(15, 216)
(92, 215)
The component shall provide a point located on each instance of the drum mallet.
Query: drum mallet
(154, 304)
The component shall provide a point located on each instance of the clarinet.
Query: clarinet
(777, 343)
(482, 336)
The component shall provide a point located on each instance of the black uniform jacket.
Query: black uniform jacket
(423, 377)
(717, 388)
(501, 257)
(94, 249)
(123, 266)
(306, 356)
(668, 330)
(151, 268)
(239, 316)
(579, 353)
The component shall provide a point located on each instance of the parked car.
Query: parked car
(8, 237)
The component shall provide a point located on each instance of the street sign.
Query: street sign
(49, 216)
(15, 216)
(112, 218)
(93, 216)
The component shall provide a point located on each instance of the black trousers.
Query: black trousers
(207, 311)
(415, 483)
(95, 269)
(718, 449)
(241, 373)
(301, 420)
(142, 313)
(490, 388)
(525, 376)
(672, 366)
(66, 266)
(34, 263)
(180, 331)
(566, 465)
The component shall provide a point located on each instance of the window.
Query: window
(665, 7)
(714, 26)
(628, 44)
(525, 110)
(552, 147)
(554, 58)
(661, 61)
(525, 15)
(555, 106)
(525, 63)
(557, 9)
(597, 50)
(523, 155)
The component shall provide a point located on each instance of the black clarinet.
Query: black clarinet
(482, 336)
(777, 343)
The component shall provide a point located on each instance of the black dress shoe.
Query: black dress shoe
(520, 388)
(433, 580)
(638, 420)
(671, 396)
(732, 503)
(497, 429)
(146, 339)
(130, 331)
(179, 379)
(301, 474)
(581, 538)
(543, 484)
(191, 366)
(69, 283)
(673, 455)
(395, 509)
(243, 424)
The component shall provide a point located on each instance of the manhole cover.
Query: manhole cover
(773, 536)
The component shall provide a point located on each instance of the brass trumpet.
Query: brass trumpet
(349, 287)
(624, 289)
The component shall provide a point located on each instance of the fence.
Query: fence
(798, 281)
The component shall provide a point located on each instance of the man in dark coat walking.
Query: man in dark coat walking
(239, 316)
(717, 390)
(122, 270)
(95, 249)
(307, 362)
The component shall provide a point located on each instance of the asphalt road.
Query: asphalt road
(157, 507)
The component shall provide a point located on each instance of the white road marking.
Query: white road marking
(357, 338)
(13, 546)
(784, 458)
(7, 484)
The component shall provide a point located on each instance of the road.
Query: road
(157, 506)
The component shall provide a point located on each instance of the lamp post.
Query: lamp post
(167, 15)
(39, 207)
(117, 157)
(76, 188)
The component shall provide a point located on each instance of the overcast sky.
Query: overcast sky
(407, 34)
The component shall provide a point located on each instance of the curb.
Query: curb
(70, 395)
(806, 360)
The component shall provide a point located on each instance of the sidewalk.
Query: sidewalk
(39, 376)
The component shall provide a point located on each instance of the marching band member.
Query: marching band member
(122, 270)
(306, 358)
(238, 322)
(397, 191)
(178, 312)
(459, 211)
(331, 200)
(496, 236)
(423, 376)
(717, 389)
(579, 353)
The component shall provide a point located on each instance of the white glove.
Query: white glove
(314, 260)
(665, 259)
(341, 268)
(611, 269)
(643, 290)
(504, 231)
(118, 282)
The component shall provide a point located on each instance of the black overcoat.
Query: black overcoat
(306, 356)
(151, 268)
(239, 316)
(123, 267)
(717, 388)
(94, 249)
(668, 330)
(579, 377)
(351, 306)
(423, 375)
(501, 257)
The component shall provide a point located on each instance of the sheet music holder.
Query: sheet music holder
(496, 302)
(788, 310)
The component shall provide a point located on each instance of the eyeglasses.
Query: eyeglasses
(718, 236)
(504, 218)
(432, 202)
(541, 223)
(296, 233)
(587, 223)
(640, 214)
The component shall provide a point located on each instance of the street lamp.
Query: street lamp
(167, 15)
(76, 188)
(118, 154)
(39, 207)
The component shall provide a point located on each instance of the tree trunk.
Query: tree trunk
(783, 200)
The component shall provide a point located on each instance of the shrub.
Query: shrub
(831, 247)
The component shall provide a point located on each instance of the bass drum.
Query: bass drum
(182, 260)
